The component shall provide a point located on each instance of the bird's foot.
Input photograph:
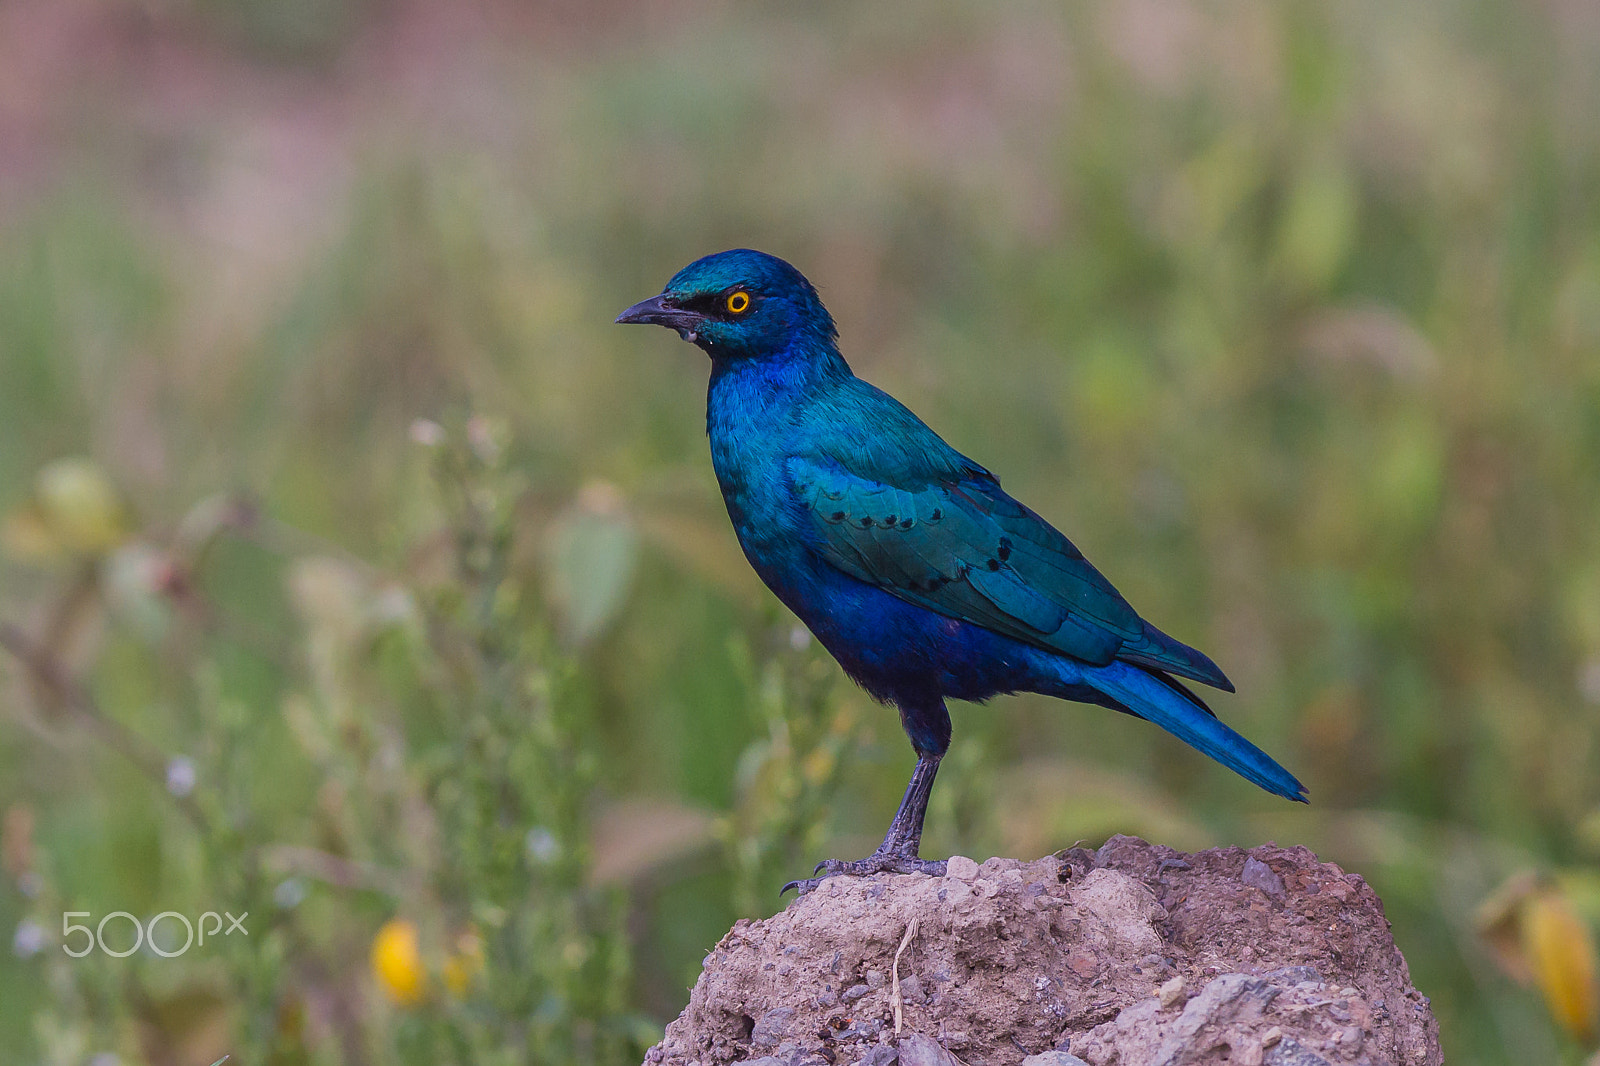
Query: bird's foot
(880, 861)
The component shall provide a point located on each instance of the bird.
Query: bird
(906, 560)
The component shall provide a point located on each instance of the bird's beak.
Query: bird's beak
(658, 311)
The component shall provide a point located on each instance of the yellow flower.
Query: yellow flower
(79, 503)
(1530, 926)
(75, 511)
(1562, 955)
(397, 962)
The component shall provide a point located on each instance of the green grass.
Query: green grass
(1288, 314)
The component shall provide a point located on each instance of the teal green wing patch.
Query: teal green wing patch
(969, 551)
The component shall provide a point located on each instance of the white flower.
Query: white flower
(290, 892)
(180, 776)
(542, 845)
(28, 940)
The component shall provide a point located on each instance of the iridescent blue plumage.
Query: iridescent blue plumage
(922, 577)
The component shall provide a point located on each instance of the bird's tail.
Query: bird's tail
(1144, 695)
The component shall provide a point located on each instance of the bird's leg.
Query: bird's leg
(905, 832)
(898, 852)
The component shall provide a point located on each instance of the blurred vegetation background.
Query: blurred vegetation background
(359, 574)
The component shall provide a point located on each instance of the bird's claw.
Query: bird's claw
(807, 884)
(893, 862)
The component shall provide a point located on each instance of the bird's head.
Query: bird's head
(740, 304)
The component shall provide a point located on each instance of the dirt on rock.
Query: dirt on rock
(1131, 955)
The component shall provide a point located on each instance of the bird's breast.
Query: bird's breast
(747, 426)
(753, 487)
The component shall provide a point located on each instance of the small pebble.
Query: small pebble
(855, 992)
(1171, 993)
(1271, 1036)
(1258, 874)
(961, 868)
(1053, 1058)
(772, 1026)
(917, 1049)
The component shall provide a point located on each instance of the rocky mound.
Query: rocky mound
(1132, 955)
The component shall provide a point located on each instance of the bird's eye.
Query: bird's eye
(738, 302)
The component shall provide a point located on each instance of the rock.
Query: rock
(961, 868)
(919, 1050)
(1053, 1058)
(1258, 874)
(1131, 954)
(1290, 1053)
(882, 1055)
(772, 1027)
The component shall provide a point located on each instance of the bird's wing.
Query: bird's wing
(964, 548)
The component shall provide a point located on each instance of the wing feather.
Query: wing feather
(967, 550)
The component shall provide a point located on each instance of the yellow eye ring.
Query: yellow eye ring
(738, 302)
